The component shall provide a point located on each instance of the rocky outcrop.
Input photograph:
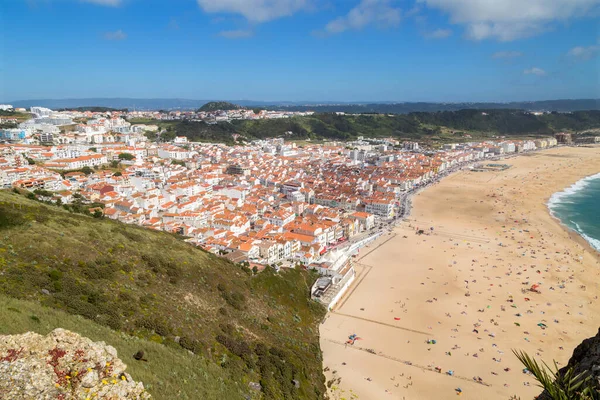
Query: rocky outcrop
(63, 365)
(585, 359)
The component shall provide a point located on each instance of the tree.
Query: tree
(118, 173)
(254, 270)
(30, 161)
(126, 156)
(87, 170)
(114, 164)
(95, 150)
(97, 214)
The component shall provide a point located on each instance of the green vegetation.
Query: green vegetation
(126, 156)
(19, 116)
(560, 386)
(169, 370)
(155, 287)
(219, 105)
(438, 127)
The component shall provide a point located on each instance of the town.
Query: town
(269, 203)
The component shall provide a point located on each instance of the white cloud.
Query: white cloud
(236, 34)
(116, 35)
(111, 3)
(584, 53)
(535, 71)
(507, 20)
(367, 12)
(438, 34)
(256, 11)
(507, 54)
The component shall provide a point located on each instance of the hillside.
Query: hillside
(157, 290)
(446, 126)
(219, 105)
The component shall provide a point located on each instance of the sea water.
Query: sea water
(578, 207)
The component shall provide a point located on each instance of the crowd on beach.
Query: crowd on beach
(522, 283)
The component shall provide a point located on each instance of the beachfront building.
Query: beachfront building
(338, 273)
(588, 140)
(564, 138)
(383, 207)
(365, 220)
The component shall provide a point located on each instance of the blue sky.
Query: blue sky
(300, 50)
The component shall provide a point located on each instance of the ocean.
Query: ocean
(578, 207)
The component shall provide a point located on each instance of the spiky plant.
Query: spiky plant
(565, 386)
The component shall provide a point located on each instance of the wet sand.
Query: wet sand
(466, 285)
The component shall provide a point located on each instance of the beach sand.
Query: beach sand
(461, 285)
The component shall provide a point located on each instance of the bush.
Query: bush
(126, 156)
(235, 300)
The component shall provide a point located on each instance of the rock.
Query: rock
(46, 292)
(63, 365)
(255, 386)
(585, 358)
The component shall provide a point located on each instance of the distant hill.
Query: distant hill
(238, 327)
(406, 108)
(444, 126)
(327, 106)
(219, 105)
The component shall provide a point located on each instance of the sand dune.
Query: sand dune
(465, 284)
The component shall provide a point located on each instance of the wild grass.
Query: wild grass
(170, 372)
(154, 286)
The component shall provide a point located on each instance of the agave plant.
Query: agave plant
(560, 386)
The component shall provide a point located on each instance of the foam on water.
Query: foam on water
(563, 205)
(560, 197)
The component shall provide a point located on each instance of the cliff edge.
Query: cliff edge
(63, 365)
(585, 359)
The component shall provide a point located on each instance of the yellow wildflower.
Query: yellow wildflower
(114, 381)
(56, 385)
(123, 378)
(104, 381)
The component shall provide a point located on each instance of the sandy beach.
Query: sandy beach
(465, 285)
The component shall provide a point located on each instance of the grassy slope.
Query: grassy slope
(155, 286)
(169, 370)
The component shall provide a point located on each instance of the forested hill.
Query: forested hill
(219, 105)
(437, 126)
(208, 327)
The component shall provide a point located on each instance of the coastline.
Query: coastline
(578, 235)
(365, 310)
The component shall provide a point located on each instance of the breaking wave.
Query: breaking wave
(575, 203)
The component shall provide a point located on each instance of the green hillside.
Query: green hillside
(445, 126)
(219, 105)
(152, 289)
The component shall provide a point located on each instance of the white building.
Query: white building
(78, 162)
(41, 111)
(173, 152)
